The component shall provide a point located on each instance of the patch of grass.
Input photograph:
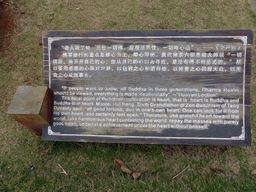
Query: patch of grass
(89, 166)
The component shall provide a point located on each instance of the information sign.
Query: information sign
(169, 87)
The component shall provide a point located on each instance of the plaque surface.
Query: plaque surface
(169, 87)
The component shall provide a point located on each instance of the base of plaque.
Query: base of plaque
(32, 106)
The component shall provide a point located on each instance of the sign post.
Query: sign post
(32, 107)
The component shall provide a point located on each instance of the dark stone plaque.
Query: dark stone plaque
(169, 87)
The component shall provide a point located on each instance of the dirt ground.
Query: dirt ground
(7, 25)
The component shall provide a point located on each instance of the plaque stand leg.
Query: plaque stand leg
(32, 107)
